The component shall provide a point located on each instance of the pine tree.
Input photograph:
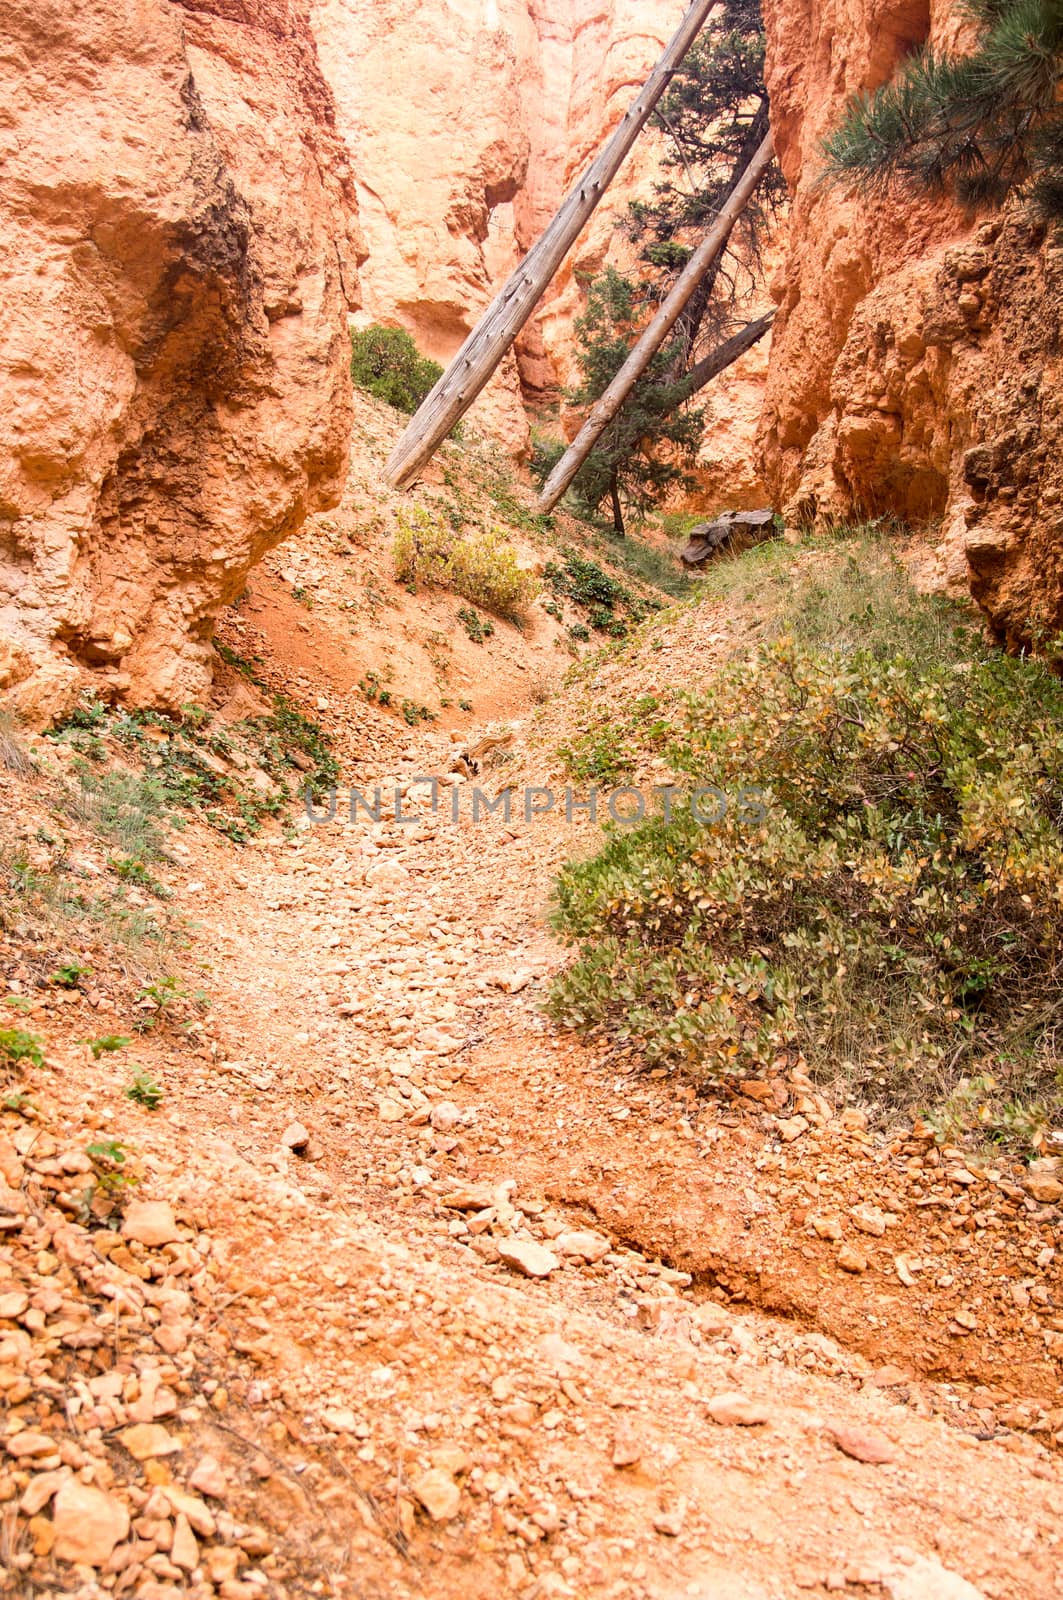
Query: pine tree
(713, 119)
(628, 465)
(979, 126)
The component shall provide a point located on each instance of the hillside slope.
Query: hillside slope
(413, 1294)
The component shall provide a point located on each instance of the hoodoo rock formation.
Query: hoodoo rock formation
(180, 250)
(186, 184)
(916, 365)
(433, 102)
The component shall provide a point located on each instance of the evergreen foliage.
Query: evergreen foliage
(713, 118)
(387, 363)
(978, 126)
(628, 464)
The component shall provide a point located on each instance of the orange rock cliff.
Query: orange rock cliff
(915, 366)
(199, 196)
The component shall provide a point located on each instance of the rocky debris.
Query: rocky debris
(150, 1222)
(87, 1523)
(324, 1335)
(438, 1493)
(862, 1444)
(626, 1448)
(1044, 1181)
(590, 1247)
(727, 534)
(851, 1259)
(736, 1411)
(533, 1260)
(295, 1137)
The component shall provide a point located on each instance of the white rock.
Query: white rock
(438, 1493)
(444, 1115)
(736, 1410)
(88, 1523)
(582, 1242)
(534, 1260)
(184, 1551)
(150, 1222)
(208, 1478)
(338, 1419)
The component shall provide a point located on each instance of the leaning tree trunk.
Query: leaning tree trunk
(688, 326)
(710, 366)
(509, 311)
(608, 404)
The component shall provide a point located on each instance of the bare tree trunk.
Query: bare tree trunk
(618, 512)
(510, 310)
(710, 366)
(608, 404)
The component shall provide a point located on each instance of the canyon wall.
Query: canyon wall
(197, 197)
(916, 366)
(433, 104)
(179, 250)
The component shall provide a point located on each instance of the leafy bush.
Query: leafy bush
(604, 597)
(387, 363)
(896, 913)
(481, 567)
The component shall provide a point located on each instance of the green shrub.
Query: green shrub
(481, 567)
(894, 917)
(144, 1091)
(387, 363)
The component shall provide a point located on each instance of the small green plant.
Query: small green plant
(478, 628)
(17, 1101)
(16, 1045)
(106, 1043)
(144, 1090)
(596, 757)
(304, 599)
(580, 632)
(374, 690)
(109, 1157)
(413, 713)
(132, 870)
(69, 975)
(167, 997)
(463, 704)
(89, 713)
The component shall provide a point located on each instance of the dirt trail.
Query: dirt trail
(389, 1105)
(431, 1300)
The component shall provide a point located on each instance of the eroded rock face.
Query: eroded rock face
(179, 251)
(915, 361)
(431, 103)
